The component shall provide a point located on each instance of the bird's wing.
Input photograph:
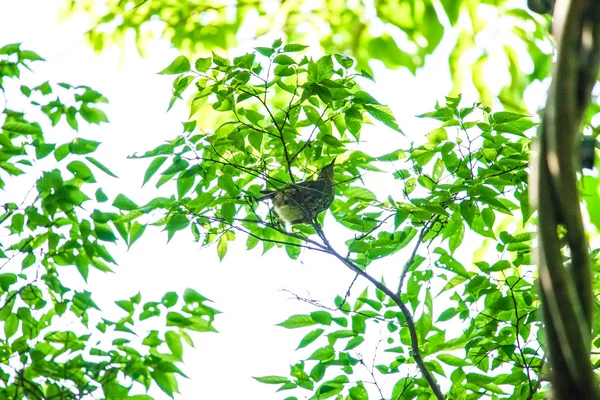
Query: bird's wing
(268, 195)
(312, 188)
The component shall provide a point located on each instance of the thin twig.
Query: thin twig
(424, 231)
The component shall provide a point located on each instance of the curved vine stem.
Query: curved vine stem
(567, 297)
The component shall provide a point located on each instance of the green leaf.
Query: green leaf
(203, 64)
(166, 381)
(321, 317)
(318, 372)
(255, 139)
(43, 149)
(488, 216)
(220, 61)
(359, 246)
(358, 392)
(383, 114)
(179, 164)
(6, 280)
(30, 55)
(320, 70)
(174, 343)
(11, 325)
(104, 232)
(62, 151)
(83, 146)
(298, 321)
(591, 198)
(16, 223)
(360, 193)
(222, 247)
(292, 47)
(503, 304)
(228, 212)
(271, 379)
(323, 354)
(101, 166)
(92, 115)
(21, 128)
(293, 251)
(447, 314)
(284, 60)
(51, 180)
(366, 75)
(453, 361)
(501, 266)
(451, 264)
(246, 61)
(353, 119)
(184, 185)
(226, 182)
(467, 210)
(83, 301)
(344, 61)
(176, 223)
(169, 299)
(265, 51)
(122, 202)
(28, 261)
(505, 116)
(195, 323)
(437, 136)
(10, 48)
(457, 237)
(135, 232)
(153, 167)
(180, 65)
(310, 337)
(358, 323)
(354, 342)
(81, 171)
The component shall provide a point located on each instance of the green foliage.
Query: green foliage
(401, 34)
(318, 112)
(465, 181)
(450, 234)
(53, 342)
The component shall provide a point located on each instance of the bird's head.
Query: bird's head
(327, 171)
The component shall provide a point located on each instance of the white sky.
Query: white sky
(246, 286)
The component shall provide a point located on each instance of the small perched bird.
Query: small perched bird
(300, 203)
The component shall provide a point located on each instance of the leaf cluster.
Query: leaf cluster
(53, 342)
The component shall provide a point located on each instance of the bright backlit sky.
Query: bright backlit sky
(245, 286)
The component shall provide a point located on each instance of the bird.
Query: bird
(300, 203)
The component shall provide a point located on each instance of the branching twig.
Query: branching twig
(326, 247)
(410, 323)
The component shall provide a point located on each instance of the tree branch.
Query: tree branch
(410, 323)
(326, 247)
